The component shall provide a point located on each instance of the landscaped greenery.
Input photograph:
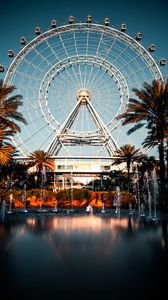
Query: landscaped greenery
(66, 198)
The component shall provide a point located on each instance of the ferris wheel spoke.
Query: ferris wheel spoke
(27, 76)
(67, 77)
(75, 79)
(31, 64)
(32, 121)
(89, 76)
(99, 43)
(63, 45)
(46, 141)
(109, 50)
(65, 50)
(120, 54)
(52, 50)
(93, 78)
(33, 107)
(77, 54)
(132, 74)
(87, 45)
(35, 133)
(133, 59)
(98, 81)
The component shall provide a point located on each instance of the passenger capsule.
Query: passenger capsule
(37, 30)
(138, 36)
(123, 27)
(163, 62)
(23, 41)
(71, 20)
(106, 21)
(89, 19)
(152, 48)
(53, 23)
(10, 53)
(2, 69)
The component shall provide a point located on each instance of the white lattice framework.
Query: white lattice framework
(49, 72)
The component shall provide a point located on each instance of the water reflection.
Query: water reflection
(96, 255)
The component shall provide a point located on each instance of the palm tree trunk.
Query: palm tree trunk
(39, 176)
(162, 166)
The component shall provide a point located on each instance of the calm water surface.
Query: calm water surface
(67, 257)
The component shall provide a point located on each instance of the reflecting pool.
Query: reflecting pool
(72, 256)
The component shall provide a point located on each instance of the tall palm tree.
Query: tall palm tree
(128, 154)
(9, 114)
(150, 110)
(41, 160)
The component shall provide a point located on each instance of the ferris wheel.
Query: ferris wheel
(75, 80)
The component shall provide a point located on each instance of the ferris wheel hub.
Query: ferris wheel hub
(83, 95)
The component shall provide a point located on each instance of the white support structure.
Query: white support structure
(102, 137)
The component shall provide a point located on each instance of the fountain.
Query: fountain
(10, 203)
(24, 196)
(136, 190)
(40, 207)
(142, 210)
(55, 208)
(155, 192)
(117, 202)
(146, 184)
(89, 209)
(130, 209)
(103, 210)
(71, 191)
(41, 201)
(3, 210)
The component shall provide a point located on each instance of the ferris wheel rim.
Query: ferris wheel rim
(108, 29)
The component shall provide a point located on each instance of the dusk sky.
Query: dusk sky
(21, 17)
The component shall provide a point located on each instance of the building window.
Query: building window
(105, 168)
(61, 167)
(69, 167)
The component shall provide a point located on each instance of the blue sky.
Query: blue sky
(19, 18)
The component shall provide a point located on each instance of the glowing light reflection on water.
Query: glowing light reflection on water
(88, 255)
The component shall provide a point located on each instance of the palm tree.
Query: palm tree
(128, 154)
(41, 160)
(9, 113)
(6, 150)
(146, 163)
(150, 110)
